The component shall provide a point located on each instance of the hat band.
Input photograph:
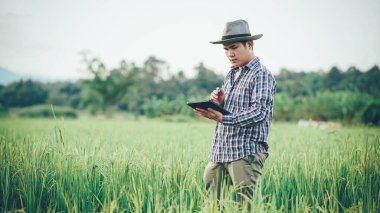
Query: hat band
(235, 36)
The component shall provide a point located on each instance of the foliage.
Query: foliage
(3, 111)
(107, 87)
(46, 111)
(334, 95)
(154, 107)
(65, 94)
(151, 90)
(155, 166)
(371, 113)
(297, 84)
(23, 93)
(344, 106)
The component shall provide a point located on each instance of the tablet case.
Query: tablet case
(208, 104)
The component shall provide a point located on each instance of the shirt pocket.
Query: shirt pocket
(243, 97)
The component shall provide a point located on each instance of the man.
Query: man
(240, 145)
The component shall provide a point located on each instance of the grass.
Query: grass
(157, 166)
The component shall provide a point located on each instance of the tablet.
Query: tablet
(208, 104)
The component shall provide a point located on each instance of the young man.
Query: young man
(240, 145)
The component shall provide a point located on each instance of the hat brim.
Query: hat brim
(232, 40)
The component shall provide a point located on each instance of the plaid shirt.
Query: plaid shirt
(250, 99)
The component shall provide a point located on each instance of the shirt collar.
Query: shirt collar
(252, 64)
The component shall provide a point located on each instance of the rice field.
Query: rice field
(129, 165)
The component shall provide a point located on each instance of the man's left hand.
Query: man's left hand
(210, 114)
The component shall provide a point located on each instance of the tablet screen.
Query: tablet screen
(208, 104)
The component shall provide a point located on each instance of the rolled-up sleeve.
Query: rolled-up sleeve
(262, 100)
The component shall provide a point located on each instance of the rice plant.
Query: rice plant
(157, 166)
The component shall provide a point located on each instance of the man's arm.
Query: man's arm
(261, 103)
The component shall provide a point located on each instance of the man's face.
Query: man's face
(238, 54)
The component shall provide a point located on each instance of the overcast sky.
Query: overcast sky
(44, 37)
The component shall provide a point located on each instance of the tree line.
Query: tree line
(351, 95)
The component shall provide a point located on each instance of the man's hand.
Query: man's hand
(217, 95)
(210, 114)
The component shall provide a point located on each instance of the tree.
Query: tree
(23, 93)
(333, 78)
(109, 86)
(371, 113)
(206, 80)
(372, 79)
(154, 69)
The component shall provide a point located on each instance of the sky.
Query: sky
(45, 37)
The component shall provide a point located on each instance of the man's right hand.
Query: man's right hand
(217, 95)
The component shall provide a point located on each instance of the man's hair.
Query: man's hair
(245, 43)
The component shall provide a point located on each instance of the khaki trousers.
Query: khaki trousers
(243, 172)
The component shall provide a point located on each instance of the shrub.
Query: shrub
(283, 107)
(45, 111)
(345, 106)
(23, 93)
(3, 111)
(371, 113)
(151, 107)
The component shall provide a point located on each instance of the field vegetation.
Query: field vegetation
(148, 165)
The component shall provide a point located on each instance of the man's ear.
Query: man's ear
(250, 44)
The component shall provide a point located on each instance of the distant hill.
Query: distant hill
(7, 76)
